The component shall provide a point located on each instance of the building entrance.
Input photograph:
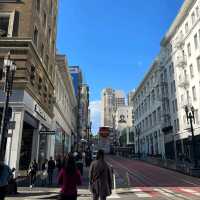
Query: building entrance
(26, 146)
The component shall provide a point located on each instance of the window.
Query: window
(191, 71)
(186, 27)
(177, 123)
(51, 7)
(176, 104)
(35, 37)
(6, 24)
(195, 41)
(44, 20)
(194, 93)
(189, 49)
(196, 116)
(38, 5)
(188, 96)
(198, 64)
(193, 18)
(197, 11)
(173, 106)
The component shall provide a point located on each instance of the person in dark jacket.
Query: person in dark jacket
(69, 178)
(33, 172)
(50, 170)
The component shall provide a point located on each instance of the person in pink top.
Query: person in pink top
(69, 178)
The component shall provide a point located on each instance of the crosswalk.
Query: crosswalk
(175, 193)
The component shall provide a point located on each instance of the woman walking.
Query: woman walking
(69, 178)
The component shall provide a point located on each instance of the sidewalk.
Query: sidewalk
(24, 182)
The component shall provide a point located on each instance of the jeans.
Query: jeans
(32, 179)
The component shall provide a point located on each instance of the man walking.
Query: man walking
(100, 178)
(50, 170)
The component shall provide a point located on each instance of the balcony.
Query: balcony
(181, 61)
(184, 82)
(179, 43)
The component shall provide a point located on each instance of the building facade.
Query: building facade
(172, 83)
(64, 109)
(28, 32)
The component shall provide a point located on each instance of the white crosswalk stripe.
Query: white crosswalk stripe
(191, 191)
(165, 193)
(141, 194)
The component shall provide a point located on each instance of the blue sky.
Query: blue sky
(113, 41)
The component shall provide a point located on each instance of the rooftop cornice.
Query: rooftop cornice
(183, 12)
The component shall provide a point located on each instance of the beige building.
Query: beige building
(28, 32)
(64, 110)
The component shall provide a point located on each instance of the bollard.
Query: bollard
(128, 178)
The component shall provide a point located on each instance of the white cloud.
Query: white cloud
(95, 107)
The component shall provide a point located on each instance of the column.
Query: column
(14, 143)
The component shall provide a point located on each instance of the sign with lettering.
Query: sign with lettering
(40, 112)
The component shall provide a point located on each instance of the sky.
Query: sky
(113, 41)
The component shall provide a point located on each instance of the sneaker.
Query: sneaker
(31, 186)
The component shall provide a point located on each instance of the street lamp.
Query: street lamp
(9, 69)
(191, 119)
(137, 130)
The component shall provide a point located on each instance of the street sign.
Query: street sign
(47, 132)
(11, 125)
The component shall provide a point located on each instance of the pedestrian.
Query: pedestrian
(58, 163)
(88, 158)
(5, 176)
(50, 170)
(69, 178)
(32, 172)
(100, 178)
(44, 172)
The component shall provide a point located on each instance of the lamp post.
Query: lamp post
(9, 69)
(137, 130)
(191, 119)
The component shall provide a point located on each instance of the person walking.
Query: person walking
(44, 172)
(32, 172)
(50, 170)
(69, 178)
(100, 178)
(5, 176)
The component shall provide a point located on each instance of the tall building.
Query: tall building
(130, 98)
(171, 84)
(119, 99)
(84, 111)
(28, 32)
(77, 78)
(107, 107)
(65, 102)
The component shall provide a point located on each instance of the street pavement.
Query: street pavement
(134, 180)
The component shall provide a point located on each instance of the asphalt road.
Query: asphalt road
(135, 180)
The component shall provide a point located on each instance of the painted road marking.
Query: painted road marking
(191, 191)
(164, 192)
(114, 196)
(139, 193)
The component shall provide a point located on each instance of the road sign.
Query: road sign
(11, 125)
(48, 132)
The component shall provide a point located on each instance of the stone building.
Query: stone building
(28, 32)
(65, 109)
(172, 83)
